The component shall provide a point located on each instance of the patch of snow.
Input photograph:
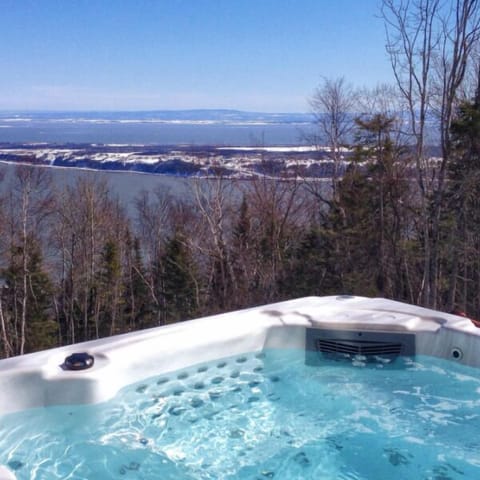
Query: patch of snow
(282, 149)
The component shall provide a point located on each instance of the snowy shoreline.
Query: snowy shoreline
(308, 161)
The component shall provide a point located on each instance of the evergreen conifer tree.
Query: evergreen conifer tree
(179, 287)
(461, 241)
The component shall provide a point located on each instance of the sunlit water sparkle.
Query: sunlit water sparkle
(260, 416)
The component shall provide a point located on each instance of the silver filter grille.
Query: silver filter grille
(347, 343)
(353, 347)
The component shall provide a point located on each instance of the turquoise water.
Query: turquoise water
(263, 416)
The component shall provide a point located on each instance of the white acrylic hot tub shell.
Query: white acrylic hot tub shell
(37, 379)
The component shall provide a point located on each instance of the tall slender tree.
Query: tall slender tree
(463, 209)
(29, 208)
(430, 44)
(334, 103)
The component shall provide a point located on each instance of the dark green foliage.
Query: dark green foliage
(242, 230)
(137, 307)
(367, 221)
(41, 328)
(461, 220)
(243, 258)
(355, 228)
(108, 292)
(179, 287)
(464, 171)
(313, 269)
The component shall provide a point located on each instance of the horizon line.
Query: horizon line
(209, 109)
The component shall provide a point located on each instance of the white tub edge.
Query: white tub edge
(38, 380)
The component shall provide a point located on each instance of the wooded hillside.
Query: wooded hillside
(397, 223)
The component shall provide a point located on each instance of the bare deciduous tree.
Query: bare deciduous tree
(430, 45)
(214, 199)
(29, 206)
(333, 104)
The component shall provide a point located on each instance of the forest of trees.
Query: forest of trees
(399, 222)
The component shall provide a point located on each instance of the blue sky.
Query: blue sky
(259, 55)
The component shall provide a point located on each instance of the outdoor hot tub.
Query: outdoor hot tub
(222, 372)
